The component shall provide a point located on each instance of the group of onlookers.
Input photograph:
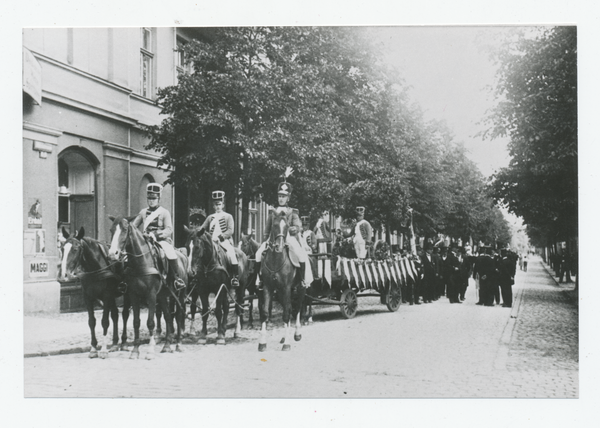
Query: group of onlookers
(445, 271)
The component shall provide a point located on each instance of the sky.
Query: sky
(448, 73)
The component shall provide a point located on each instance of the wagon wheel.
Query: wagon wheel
(349, 303)
(393, 298)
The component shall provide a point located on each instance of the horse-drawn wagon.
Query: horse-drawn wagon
(344, 278)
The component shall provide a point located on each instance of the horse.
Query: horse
(87, 259)
(279, 274)
(145, 282)
(249, 247)
(207, 268)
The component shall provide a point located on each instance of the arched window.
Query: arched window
(77, 191)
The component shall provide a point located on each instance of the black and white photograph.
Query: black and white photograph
(332, 212)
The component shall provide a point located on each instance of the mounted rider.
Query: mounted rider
(363, 233)
(220, 226)
(284, 190)
(158, 227)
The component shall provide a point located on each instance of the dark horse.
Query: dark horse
(279, 274)
(249, 247)
(144, 281)
(87, 258)
(208, 270)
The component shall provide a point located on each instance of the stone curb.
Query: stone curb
(505, 339)
(66, 351)
(574, 296)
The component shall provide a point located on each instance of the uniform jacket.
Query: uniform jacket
(225, 222)
(291, 216)
(366, 231)
(161, 225)
(428, 269)
(323, 228)
(450, 267)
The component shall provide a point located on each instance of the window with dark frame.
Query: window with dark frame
(146, 63)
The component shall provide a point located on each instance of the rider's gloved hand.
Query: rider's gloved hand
(221, 238)
(293, 230)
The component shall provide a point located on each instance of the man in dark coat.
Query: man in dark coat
(451, 273)
(428, 281)
(507, 278)
(438, 285)
(464, 272)
(485, 268)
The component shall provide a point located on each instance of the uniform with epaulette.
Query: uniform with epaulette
(292, 239)
(157, 226)
(220, 226)
(363, 232)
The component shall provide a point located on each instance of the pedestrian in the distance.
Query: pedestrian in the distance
(525, 260)
(507, 279)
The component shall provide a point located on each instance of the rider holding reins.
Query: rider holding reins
(284, 190)
(159, 228)
(220, 226)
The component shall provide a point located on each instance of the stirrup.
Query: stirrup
(179, 284)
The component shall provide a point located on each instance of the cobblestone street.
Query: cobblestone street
(436, 350)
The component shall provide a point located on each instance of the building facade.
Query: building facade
(87, 95)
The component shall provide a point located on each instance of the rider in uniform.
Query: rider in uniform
(283, 195)
(220, 226)
(362, 233)
(157, 226)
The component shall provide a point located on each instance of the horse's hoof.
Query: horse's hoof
(93, 354)
(201, 342)
(103, 354)
(123, 347)
(150, 356)
(262, 347)
(134, 356)
(286, 348)
(282, 340)
(178, 348)
(297, 337)
(113, 348)
(236, 335)
(166, 349)
(220, 341)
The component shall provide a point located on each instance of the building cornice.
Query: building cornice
(53, 132)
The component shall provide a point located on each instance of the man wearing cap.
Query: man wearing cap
(157, 226)
(322, 231)
(308, 236)
(452, 266)
(507, 278)
(362, 233)
(428, 280)
(220, 226)
(293, 240)
(485, 268)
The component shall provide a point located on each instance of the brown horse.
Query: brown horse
(209, 275)
(145, 282)
(249, 247)
(279, 274)
(87, 259)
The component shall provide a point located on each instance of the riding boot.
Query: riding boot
(178, 283)
(233, 272)
(302, 272)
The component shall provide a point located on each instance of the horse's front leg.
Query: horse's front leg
(114, 315)
(135, 303)
(222, 312)
(150, 323)
(89, 303)
(180, 314)
(164, 303)
(105, 325)
(125, 316)
(264, 301)
(205, 311)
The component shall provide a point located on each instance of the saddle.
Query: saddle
(292, 255)
(160, 258)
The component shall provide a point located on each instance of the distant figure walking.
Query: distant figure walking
(525, 259)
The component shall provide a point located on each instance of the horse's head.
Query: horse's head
(72, 251)
(118, 232)
(194, 249)
(279, 231)
(249, 246)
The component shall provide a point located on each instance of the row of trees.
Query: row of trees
(537, 111)
(321, 101)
